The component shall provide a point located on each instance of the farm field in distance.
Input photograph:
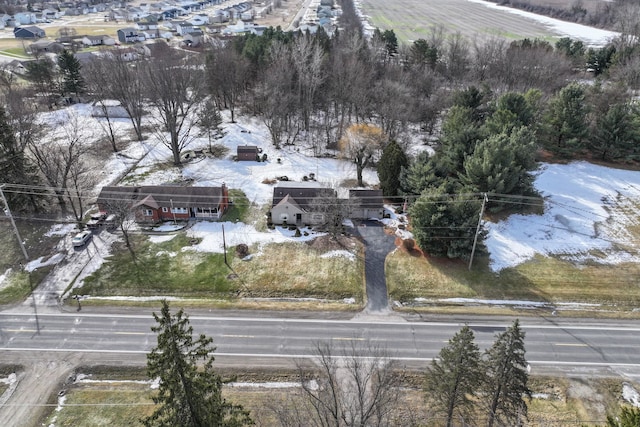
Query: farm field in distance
(414, 19)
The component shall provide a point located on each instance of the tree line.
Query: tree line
(353, 386)
(487, 107)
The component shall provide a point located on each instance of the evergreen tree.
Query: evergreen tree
(616, 133)
(389, 167)
(445, 224)
(453, 378)
(629, 417)
(565, 123)
(72, 80)
(422, 53)
(512, 111)
(188, 396)
(501, 164)
(15, 168)
(505, 384)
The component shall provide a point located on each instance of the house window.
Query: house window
(165, 210)
(148, 212)
(179, 210)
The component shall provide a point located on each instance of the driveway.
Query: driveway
(377, 245)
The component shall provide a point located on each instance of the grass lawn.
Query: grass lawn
(540, 279)
(280, 270)
(117, 402)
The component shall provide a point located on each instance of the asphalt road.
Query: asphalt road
(378, 245)
(579, 347)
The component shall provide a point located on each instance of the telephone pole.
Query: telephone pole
(475, 238)
(13, 223)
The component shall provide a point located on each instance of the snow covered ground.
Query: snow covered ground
(591, 36)
(586, 206)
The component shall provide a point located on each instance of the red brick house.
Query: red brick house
(168, 203)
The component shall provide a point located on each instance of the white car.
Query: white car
(81, 238)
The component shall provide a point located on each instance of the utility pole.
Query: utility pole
(224, 247)
(475, 238)
(13, 223)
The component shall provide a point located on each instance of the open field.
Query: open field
(121, 400)
(414, 19)
(542, 279)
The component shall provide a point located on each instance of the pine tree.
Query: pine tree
(629, 417)
(565, 123)
(505, 384)
(445, 224)
(453, 378)
(389, 167)
(72, 80)
(616, 134)
(188, 396)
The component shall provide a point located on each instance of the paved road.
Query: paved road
(378, 246)
(578, 347)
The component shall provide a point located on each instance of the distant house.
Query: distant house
(129, 35)
(25, 18)
(293, 203)
(365, 204)
(28, 32)
(148, 22)
(194, 38)
(152, 204)
(103, 40)
(247, 153)
(183, 27)
(45, 46)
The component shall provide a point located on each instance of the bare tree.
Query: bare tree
(175, 86)
(307, 58)
(333, 211)
(113, 76)
(227, 75)
(120, 205)
(59, 161)
(360, 144)
(357, 385)
(96, 79)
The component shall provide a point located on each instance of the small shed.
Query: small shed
(247, 152)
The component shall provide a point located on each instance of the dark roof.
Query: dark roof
(163, 196)
(247, 149)
(184, 197)
(366, 198)
(301, 194)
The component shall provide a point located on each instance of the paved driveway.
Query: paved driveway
(378, 245)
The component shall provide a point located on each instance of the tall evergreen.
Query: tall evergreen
(391, 163)
(505, 384)
(72, 80)
(616, 134)
(453, 378)
(15, 168)
(565, 122)
(445, 224)
(188, 396)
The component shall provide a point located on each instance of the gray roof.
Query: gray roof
(157, 196)
(302, 194)
(366, 198)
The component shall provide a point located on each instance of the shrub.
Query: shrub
(409, 244)
(298, 234)
(242, 250)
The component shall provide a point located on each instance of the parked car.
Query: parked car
(96, 220)
(81, 238)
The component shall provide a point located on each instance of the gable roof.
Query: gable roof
(247, 149)
(302, 192)
(288, 200)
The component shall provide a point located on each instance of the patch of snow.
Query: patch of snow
(170, 254)
(42, 262)
(544, 396)
(349, 300)
(339, 253)
(161, 238)
(268, 384)
(630, 394)
(4, 275)
(155, 384)
(591, 36)
(131, 298)
(169, 226)
(60, 230)
(580, 216)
